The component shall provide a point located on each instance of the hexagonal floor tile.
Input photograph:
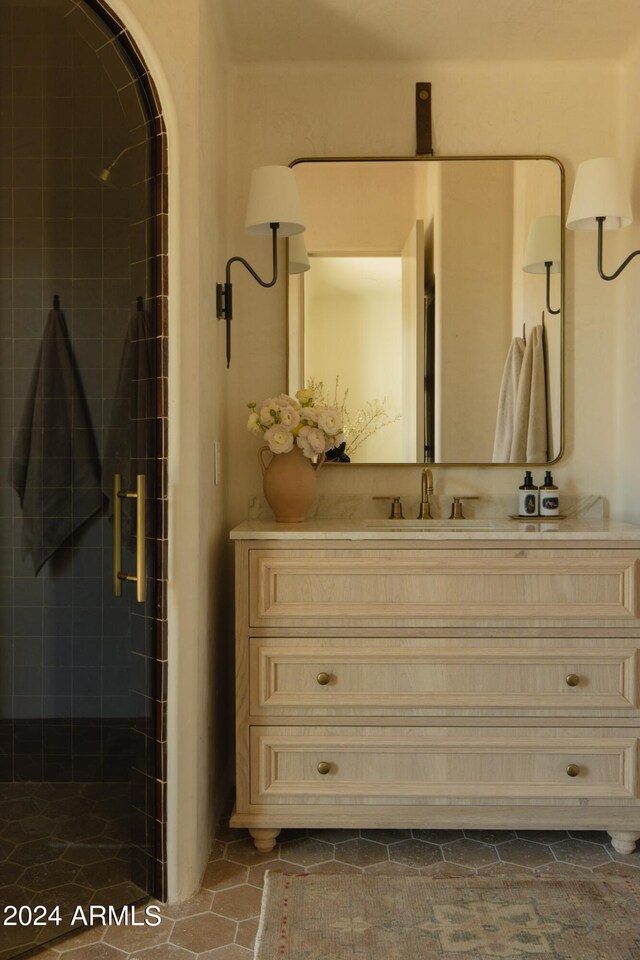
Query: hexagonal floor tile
(386, 836)
(525, 853)
(490, 836)
(245, 853)
(246, 933)
(581, 853)
(361, 853)
(256, 874)
(307, 851)
(224, 873)
(238, 903)
(438, 836)
(415, 853)
(469, 853)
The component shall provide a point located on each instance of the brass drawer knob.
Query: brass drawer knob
(573, 680)
(324, 767)
(323, 679)
(573, 770)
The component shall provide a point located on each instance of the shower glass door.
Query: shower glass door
(77, 406)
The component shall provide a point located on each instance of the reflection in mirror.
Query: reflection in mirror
(431, 309)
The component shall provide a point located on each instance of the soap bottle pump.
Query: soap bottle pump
(528, 497)
(549, 499)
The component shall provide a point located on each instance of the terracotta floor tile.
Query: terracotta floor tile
(244, 853)
(563, 870)
(238, 903)
(334, 867)
(334, 836)
(94, 951)
(415, 853)
(490, 836)
(246, 933)
(385, 836)
(470, 853)
(505, 870)
(438, 836)
(361, 853)
(256, 874)
(581, 853)
(525, 852)
(203, 932)
(166, 951)
(389, 869)
(232, 952)
(225, 873)
(79, 939)
(306, 851)
(543, 836)
(138, 938)
(200, 903)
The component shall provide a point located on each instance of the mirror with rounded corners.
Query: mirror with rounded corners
(431, 311)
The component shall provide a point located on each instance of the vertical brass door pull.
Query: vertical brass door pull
(139, 494)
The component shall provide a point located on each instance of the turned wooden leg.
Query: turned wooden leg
(265, 838)
(623, 842)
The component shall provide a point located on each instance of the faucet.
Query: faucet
(427, 490)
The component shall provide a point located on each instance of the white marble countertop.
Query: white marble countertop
(572, 528)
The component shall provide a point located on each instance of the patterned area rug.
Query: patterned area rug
(313, 917)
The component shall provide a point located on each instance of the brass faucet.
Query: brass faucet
(427, 491)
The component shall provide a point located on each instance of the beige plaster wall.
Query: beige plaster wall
(282, 111)
(182, 46)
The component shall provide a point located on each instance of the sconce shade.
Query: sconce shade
(599, 191)
(273, 198)
(543, 245)
(298, 259)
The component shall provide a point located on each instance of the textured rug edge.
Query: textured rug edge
(263, 914)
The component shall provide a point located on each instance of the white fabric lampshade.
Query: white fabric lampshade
(273, 198)
(599, 191)
(543, 245)
(298, 258)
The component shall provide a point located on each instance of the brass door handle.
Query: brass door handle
(573, 680)
(324, 767)
(573, 770)
(323, 679)
(140, 575)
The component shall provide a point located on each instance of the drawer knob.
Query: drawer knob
(573, 680)
(324, 767)
(573, 770)
(323, 679)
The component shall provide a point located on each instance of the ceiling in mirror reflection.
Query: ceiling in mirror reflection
(418, 312)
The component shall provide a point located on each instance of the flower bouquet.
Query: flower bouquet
(300, 432)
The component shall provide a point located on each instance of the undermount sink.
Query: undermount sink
(455, 526)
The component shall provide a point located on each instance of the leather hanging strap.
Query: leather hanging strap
(424, 142)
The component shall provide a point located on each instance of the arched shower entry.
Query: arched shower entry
(83, 364)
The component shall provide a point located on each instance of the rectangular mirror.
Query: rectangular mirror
(431, 310)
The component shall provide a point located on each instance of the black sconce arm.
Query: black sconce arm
(624, 263)
(224, 295)
(548, 264)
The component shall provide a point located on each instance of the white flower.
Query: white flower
(311, 441)
(330, 420)
(310, 414)
(267, 413)
(289, 418)
(253, 423)
(336, 441)
(284, 400)
(304, 396)
(280, 439)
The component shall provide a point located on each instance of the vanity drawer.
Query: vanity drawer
(299, 765)
(289, 677)
(411, 587)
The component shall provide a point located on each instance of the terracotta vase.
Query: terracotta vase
(289, 483)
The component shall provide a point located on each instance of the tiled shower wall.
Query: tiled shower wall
(81, 672)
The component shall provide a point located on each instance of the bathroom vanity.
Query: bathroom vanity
(395, 674)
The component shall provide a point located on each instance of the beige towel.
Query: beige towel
(530, 440)
(507, 402)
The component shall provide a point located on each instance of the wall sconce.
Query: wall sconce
(298, 257)
(273, 209)
(600, 201)
(543, 253)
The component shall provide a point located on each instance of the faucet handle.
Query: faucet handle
(396, 507)
(456, 507)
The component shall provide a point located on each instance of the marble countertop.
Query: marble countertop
(572, 528)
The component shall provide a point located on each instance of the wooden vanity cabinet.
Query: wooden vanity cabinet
(442, 684)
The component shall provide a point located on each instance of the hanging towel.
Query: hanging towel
(129, 442)
(55, 468)
(507, 402)
(530, 440)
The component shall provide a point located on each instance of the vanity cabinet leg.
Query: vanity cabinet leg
(265, 839)
(623, 842)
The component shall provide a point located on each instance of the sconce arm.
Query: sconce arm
(547, 265)
(624, 263)
(224, 295)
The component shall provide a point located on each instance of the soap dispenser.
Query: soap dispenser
(528, 497)
(549, 499)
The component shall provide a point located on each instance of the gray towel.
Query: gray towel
(129, 443)
(507, 402)
(55, 469)
(530, 438)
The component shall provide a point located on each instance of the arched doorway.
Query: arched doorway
(83, 364)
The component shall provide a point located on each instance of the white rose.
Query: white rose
(253, 424)
(311, 441)
(267, 414)
(280, 440)
(330, 420)
(289, 418)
